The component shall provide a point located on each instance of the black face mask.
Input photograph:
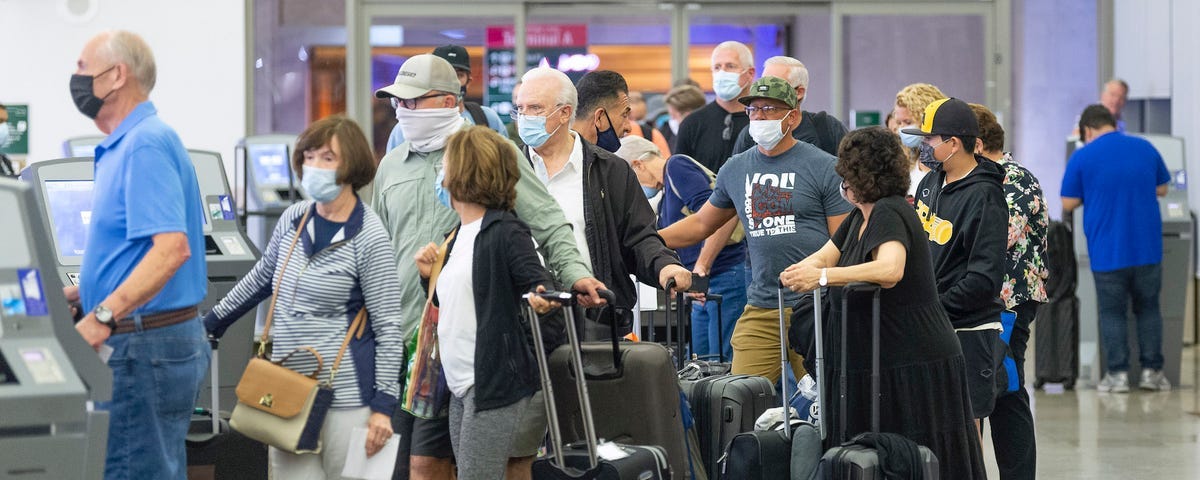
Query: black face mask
(925, 156)
(608, 139)
(81, 92)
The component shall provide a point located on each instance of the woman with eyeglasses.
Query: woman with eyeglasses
(328, 259)
(923, 382)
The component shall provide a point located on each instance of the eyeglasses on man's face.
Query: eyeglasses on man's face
(411, 103)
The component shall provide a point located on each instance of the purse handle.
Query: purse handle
(262, 344)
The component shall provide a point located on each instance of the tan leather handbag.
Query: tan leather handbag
(279, 406)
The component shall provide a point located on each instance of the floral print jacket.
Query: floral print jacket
(1025, 271)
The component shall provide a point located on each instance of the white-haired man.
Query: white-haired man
(820, 129)
(708, 134)
(143, 269)
(613, 224)
(414, 206)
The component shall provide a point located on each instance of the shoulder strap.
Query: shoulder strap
(476, 113)
(438, 263)
(357, 327)
(262, 345)
(647, 132)
(821, 123)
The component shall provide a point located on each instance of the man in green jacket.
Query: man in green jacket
(409, 198)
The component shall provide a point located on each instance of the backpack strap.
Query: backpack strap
(647, 132)
(476, 112)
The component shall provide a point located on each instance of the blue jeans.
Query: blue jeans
(156, 378)
(1114, 291)
(731, 285)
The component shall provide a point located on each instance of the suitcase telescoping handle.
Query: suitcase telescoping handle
(585, 404)
(848, 291)
(783, 365)
(819, 336)
(215, 386)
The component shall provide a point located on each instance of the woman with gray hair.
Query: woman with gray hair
(686, 186)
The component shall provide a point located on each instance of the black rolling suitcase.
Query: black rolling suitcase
(1057, 325)
(634, 389)
(585, 460)
(215, 451)
(767, 455)
(723, 405)
(852, 461)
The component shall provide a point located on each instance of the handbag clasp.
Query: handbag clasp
(266, 401)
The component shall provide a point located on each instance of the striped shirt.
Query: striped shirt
(319, 295)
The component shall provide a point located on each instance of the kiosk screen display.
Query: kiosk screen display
(270, 164)
(70, 205)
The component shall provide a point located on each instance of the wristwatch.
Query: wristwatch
(824, 278)
(105, 316)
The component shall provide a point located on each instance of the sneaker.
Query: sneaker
(1115, 382)
(1154, 380)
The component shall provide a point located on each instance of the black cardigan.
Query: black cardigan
(504, 267)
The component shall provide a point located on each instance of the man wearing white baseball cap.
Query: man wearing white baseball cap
(415, 208)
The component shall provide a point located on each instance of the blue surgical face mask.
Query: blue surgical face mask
(910, 140)
(321, 184)
(443, 195)
(532, 129)
(726, 86)
(650, 192)
(608, 139)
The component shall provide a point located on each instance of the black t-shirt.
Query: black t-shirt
(806, 132)
(702, 135)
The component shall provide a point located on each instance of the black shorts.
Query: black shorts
(427, 438)
(984, 353)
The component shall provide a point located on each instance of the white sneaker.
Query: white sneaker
(1115, 382)
(1154, 380)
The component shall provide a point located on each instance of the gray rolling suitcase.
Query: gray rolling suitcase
(852, 461)
(582, 460)
(215, 451)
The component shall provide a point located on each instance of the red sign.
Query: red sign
(538, 36)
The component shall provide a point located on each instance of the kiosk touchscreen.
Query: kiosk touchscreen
(270, 184)
(49, 377)
(81, 146)
(65, 187)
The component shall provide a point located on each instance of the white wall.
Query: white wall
(1142, 44)
(1185, 99)
(199, 47)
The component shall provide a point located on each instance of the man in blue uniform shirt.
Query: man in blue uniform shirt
(143, 269)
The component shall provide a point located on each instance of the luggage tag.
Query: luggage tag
(611, 452)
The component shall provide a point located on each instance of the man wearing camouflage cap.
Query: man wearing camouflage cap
(787, 196)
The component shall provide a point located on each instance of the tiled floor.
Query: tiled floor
(1084, 434)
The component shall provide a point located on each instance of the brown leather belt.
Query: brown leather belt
(157, 320)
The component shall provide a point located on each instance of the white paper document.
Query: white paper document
(378, 467)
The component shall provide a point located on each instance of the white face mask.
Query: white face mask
(767, 133)
(428, 129)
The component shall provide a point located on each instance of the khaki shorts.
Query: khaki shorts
(756, 344)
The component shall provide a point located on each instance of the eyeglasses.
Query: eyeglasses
(532, 111)
(728, 132)
(767, 110)
(411, 103)
(932, 146)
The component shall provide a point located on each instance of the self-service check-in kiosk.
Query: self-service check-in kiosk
(76, 147)
(268, 184)
(65, 188)
(50, 378)
(1178, 272)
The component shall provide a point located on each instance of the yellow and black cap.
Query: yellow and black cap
(947, 117)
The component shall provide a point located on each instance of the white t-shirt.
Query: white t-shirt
(566, 187)
(456, 318)
(914, 176)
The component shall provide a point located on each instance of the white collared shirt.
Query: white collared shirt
(566, 187)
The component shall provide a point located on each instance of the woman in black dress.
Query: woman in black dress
(923, 384)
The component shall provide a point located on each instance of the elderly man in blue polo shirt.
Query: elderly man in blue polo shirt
(143, 270)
